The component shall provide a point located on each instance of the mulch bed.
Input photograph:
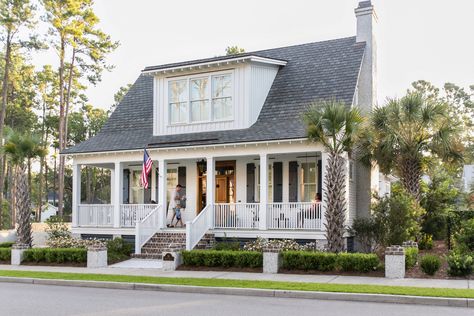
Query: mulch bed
(439, 249)
(5, 262)
(193, 268)
(53, 264)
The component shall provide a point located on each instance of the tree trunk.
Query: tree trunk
(89, 197)
(61, 167)
(410, 177)
(3, 110)
(23, 209)
(42, 163)
(335, 213)
(68, 95)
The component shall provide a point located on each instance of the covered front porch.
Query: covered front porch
(223, 187)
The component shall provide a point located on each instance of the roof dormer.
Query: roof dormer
(221, 93)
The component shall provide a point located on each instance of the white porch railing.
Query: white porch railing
(147, 227)
(297, 215)
(236, 215)
(96, 215)
(130, 214)
(196, 229)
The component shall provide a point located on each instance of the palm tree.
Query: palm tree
(20, 148)
(335, 126)
(404, 134)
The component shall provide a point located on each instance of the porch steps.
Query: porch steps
(153, 249)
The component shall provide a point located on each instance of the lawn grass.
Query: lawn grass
(272, 285)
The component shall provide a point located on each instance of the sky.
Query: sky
(416, 39)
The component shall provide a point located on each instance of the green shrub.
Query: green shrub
(425, 242)
(233, 245)
(369, 233)
(324, 261)
(430, 264)
(55, 255)
(5, 254)
(465, 237)
(460, 264)
(411, 257)
(397, 216)
(6, 244)
(223, 258)
(118, 250)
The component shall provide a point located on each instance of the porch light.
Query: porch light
(202, 166)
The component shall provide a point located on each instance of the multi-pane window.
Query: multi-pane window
(137, 190)
(178, 100)
(270, 184)
(308, 181)
(200, 99)
(171, 181)
(221, 97)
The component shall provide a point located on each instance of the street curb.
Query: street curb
(356, 297)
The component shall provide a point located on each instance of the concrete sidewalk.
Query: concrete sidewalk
(430, 283)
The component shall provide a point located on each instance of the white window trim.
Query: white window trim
(188, 78)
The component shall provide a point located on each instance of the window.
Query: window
(178, 100)
(308, 181)
(270, 184)
(136, 188)
(221, 97)
(200, 99)
(171, 181)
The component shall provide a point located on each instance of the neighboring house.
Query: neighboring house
(230, 130)
(468, 177)
(48, 211)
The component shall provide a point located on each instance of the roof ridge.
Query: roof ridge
(252, 53)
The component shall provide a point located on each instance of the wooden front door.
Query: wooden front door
(221, 189)
(224, 182)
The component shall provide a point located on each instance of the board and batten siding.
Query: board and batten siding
(251, 84)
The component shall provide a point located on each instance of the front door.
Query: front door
(222, 189)
(224, 181)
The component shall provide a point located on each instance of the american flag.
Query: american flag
(146, 168)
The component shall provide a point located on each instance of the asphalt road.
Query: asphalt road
(28, 299)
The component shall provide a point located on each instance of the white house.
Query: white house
(468, 177)
(229, 129)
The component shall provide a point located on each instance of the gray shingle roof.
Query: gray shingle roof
(314, 71)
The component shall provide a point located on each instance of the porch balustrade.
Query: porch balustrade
(96, 215)
(130, 214)
(294, 215)
(236, 215)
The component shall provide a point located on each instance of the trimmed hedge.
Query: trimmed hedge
(6, 244)
(223, 258)
(325, 261)
(411, 257)
(55, 255)
(5, 254)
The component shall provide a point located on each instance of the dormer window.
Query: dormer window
(200, 98)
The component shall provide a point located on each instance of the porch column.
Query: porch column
(117, 187)
(76, 193)
(324, 163)
(210, 180)
(162, 168)
(263, 191)
(153, 183)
